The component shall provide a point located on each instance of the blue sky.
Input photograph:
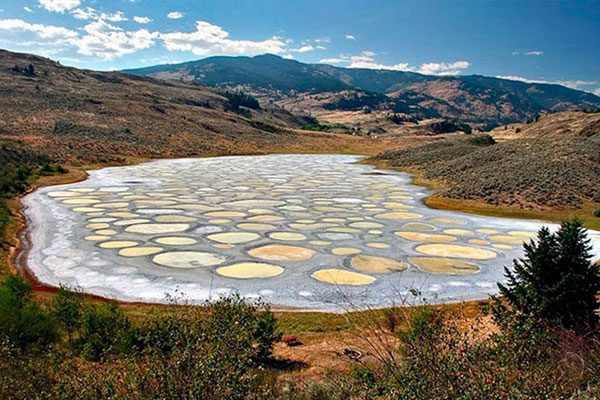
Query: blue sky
(549, 41)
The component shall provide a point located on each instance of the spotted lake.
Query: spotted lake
(313, 232)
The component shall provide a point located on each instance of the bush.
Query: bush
(24, 322)
(555, 282)
(597, 213)
(104, 329)
(235, 100)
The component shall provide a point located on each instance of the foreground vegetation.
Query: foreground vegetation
(540, 340)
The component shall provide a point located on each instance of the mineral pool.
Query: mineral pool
(312, 232)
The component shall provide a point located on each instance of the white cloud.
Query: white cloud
(288, 56)
(303, 49)
(323, 40)
(333, 60)
(29, 10)
(573, 84)
(597, 91)
(142, 20)
(443, 68)
(366, 60)
(534, 53)
(59, 5)
(209, 39)
(174, 15)
(350, 37)
(115, 17)
(108, 42)
(84, 14)
(45, 39)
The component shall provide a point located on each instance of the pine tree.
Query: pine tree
(556, 281)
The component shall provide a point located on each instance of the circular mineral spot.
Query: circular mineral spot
(254, 203)
(502, 246)
(60, 193)
(95, 220)
(223, 246)
(418, 227)
(118, 244)
(342, 277)
(366, 225)
(345, 251)
(256, 227)
(479, 242)
(446, 266)
(81, 201)
(95, 238)
(291, 236)
(97, 226)
(343, 229)
(455, 250)
(219, 221)
(376, 245)
(274, 252)
(447, 221)
(310, 227)
(525, 234)
(486, 231)
(123, 214)
(134, 221)
(260, 211)
(399, 215)
(250, 270)
(188, 259)
(319, 243)
(173, 218)
(425, 237)
(378, 265)
(139, 251)
(151, 229)
(375, 232)
(225, 214)
(265, 218)
(458, 232)
(234, 237)
(111, 205)
(106, 232)
(175, 240)
(506, 239)
(333, 220)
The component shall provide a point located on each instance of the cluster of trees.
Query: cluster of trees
(18, 168)
(236, 100)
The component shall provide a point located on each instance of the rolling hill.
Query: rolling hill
(91, 116)
(480, 100)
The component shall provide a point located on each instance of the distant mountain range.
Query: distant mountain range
(476, 99)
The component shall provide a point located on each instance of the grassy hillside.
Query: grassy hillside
(104, 116)
(521, 174)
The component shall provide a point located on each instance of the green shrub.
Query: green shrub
(68, 310)
(104, 329)
(597, 213)
(23, 321)
(556, 282)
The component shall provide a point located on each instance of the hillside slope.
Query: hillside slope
(528, 173)
(474, 98)
(104, 116)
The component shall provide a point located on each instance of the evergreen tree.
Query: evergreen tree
(556, 281)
